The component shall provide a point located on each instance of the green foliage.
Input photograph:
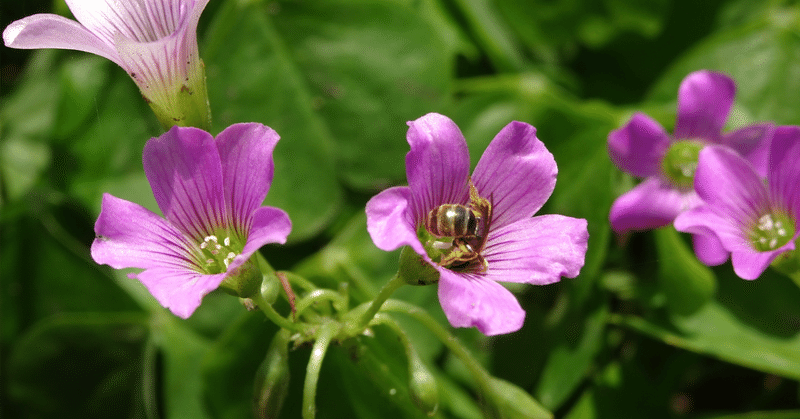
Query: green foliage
(644, 331)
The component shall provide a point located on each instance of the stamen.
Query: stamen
(771, 231)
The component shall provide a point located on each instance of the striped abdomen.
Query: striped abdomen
(452, 220)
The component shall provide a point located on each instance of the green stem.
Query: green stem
(273, 315)
(320, 295)
(324, 336)
(451, 342)
(388, 289)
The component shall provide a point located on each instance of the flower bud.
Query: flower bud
(422, 385)
(272, 379)
(415, 270)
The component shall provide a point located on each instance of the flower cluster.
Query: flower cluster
(710, 183)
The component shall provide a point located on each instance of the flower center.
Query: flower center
(217, 255)
(680, 162)
(771, 231)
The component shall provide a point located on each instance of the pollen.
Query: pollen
(771, 231)
(218, 256)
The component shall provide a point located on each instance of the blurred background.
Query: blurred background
(644, 331)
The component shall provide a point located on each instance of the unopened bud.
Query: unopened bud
(422, 385)
(272, 378)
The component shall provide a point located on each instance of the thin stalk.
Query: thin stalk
(320, 295)
(274, 316)
(388, 289)
(324, 336)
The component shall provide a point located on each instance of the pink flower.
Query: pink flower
(516, 175)
(667, 163)
(154, 41)
(754, 222)
(210, 191)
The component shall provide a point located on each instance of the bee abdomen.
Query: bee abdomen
(451, 220)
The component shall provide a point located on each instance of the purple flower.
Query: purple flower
(755, 222)
(515, 176)
(667, 163)
(210, 191)
(154, 41)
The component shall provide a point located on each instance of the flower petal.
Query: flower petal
(730, 185)
(53, 31)
(184, 170)
(751, 264)
(130, 236)
(709, 249)
(389, 220)
(704, 221)
(437, 165)
(784, 174)
(270, 225)
(538, 250)
(247, 170)
(650, 204)
(704, 100)
(752, 142)
(178, 290)
(639, 146)
(472, 300)
(516, 173)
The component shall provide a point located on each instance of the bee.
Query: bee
(468, 225)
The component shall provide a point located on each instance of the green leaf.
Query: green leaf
(686, 283)
(761, 56)
(82, 365)
(512, 402)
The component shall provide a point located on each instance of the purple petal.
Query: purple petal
(270, 225)
(130, 236)
(704, 100)
(639, 146)
(53, 31)
(516, 173)
(538, 250)
(752, 142)
(474, 301)
(730, 185)
(389, 220)
(709, 249)
(437, 165)
(704, 221)
(651, 204)
(784, 174)
(140, 21)
(184, 170)
(178, 290)
(246, 154)
(751, 264)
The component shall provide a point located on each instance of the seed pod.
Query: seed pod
(272, 378)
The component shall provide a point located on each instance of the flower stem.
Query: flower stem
(451, 342)
(324, 336)
(321, 295)
(388, 289)
(273, 315)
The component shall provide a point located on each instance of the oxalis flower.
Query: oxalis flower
(667, 163)
(210, 191)
(478, 230)
(154, 41)
(755, 222)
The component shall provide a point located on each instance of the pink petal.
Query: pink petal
(651, 204)
(516, 173)
(729, 184)
(751, 264)
(246, 154)
(639, 146)
(704, 221)
(704, 100)
(53, 31)
(130, 236)
(709, 249)
(752, 142)
(178, 290)
(474, 301)
(184, 170)
(784, 173)
(437, 166)
(270, 225)
(389, 220)
(538, 250)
